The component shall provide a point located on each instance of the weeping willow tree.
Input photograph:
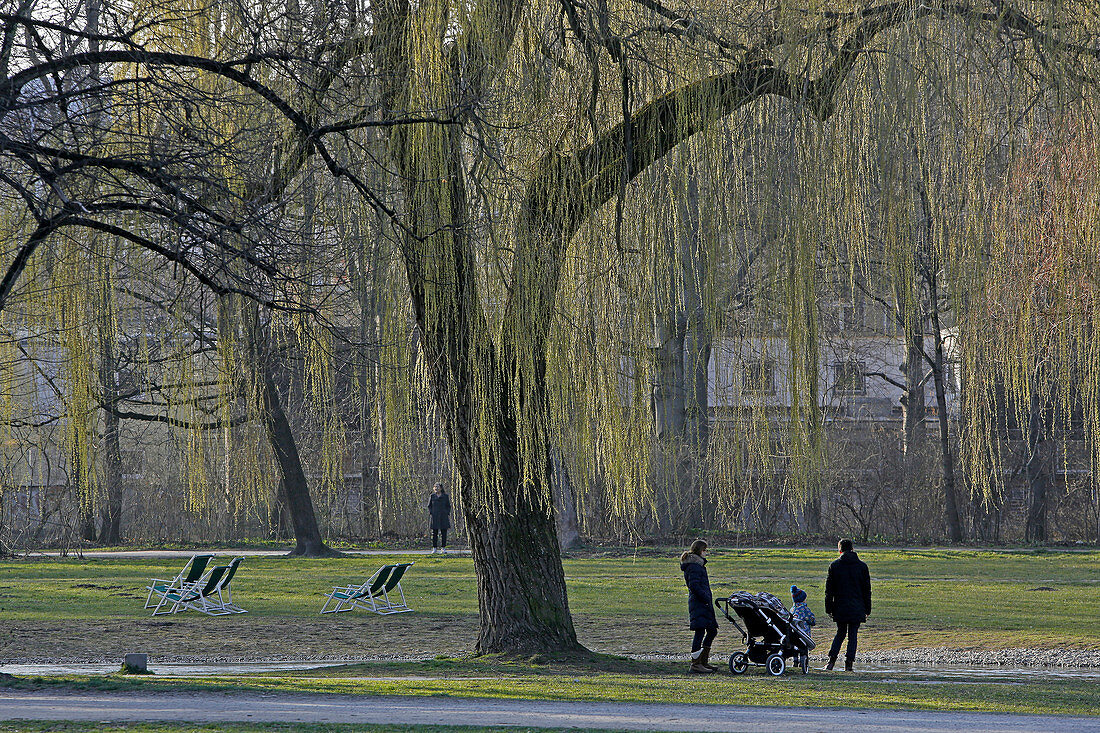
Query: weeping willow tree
(553, 111)
(1031, 330)
(504, 143)
(951, 223)
(133, 135)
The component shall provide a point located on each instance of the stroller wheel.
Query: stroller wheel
(805, 663)
(739, 662)
(776, 664)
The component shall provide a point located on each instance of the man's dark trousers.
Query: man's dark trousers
(851, 630)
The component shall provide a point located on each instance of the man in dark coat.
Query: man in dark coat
(439, 508)
(847, 600)
(700, 606)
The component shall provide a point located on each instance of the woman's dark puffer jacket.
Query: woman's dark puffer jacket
(700, 601)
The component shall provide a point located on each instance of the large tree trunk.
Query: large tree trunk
(492, 395)
(110, 532)
(516, 548)
(912, 401)
(1039, 458)
(295, 488)
(694, 273)
(522, 604)
(939, 367)
(508, 506)
(507, 495)
(368, 383)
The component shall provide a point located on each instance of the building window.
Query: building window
(845, 316)
(849, 378)
(758, 377)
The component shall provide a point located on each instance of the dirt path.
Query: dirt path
(201, 707)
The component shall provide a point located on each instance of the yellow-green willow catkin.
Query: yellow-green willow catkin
(922, 112)
(12, 470)
(71, 314)
(400, 402)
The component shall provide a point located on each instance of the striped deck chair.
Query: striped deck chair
(225, 592)
(365, 595)
(190, 576)
(198, 597)
(386, 605)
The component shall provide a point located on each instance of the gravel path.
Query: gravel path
(963, 674)
(1018, 657)
(217, 707)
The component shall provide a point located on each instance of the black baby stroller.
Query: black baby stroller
(770, 632)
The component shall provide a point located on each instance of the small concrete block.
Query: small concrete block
(136, 663)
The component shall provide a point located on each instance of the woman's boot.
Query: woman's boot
(699, 661)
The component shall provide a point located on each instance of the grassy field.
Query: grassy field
(623, 603)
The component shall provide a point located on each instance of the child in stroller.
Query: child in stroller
(802, 616)
(771, 633)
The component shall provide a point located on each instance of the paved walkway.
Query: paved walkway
(184, 554)
(202, 707)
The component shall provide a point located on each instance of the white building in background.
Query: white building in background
(860, 370)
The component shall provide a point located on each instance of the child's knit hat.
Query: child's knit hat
(798, 594)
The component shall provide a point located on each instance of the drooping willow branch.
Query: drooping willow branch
(565, 190)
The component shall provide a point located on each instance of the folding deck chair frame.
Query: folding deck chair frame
(362, 596)
(373, 595)
(196, 596)
(192, 575)
(394, 583)
(197, 589)
(225, 592)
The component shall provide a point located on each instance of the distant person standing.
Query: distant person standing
(847, 600)
(439, 508)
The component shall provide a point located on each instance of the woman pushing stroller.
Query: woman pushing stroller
(700, 607)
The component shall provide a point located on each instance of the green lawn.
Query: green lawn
(623, 603)
(954, 598)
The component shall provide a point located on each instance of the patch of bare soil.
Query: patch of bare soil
(367, 637)
(198, 639)
(237, 638)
